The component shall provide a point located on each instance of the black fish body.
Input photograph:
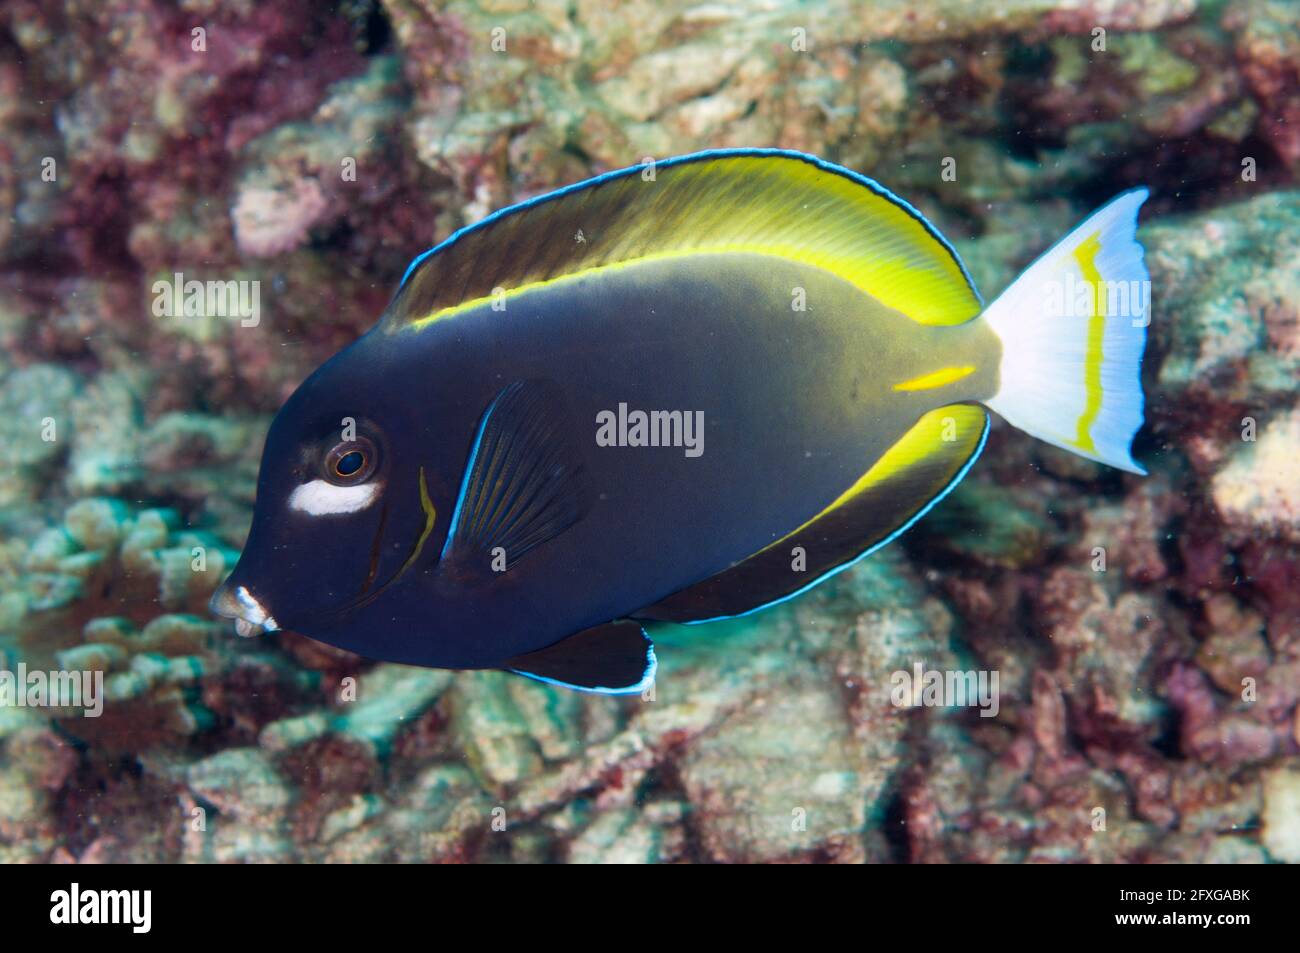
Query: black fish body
(817, 377)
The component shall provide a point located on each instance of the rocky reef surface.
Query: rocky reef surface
(1145, 631)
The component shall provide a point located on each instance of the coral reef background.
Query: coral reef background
(1157, 695)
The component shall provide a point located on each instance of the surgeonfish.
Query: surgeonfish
(682, 391)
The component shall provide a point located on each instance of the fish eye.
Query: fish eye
(350, 462)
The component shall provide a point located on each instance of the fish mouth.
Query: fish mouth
(236, 602)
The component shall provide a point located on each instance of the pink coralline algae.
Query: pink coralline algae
(1145, 632)
(271, 221)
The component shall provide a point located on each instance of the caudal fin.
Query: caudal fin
(1073, 328)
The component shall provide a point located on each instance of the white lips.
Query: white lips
(255, 619)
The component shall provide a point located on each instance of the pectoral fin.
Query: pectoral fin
(524, 482)
(616, 658)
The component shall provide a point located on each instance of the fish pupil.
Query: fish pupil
(350, 463)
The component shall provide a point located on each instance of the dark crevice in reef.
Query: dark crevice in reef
(1027, 129)
(372, 32)
(1168, 741)
(893, 826)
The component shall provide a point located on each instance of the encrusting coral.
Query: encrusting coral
(1145, 632)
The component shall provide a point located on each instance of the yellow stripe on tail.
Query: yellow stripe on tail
(1073, 329)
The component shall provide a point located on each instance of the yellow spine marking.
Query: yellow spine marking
(1086, 256)
(945, 375)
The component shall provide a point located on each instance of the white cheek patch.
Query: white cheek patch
(322, 499)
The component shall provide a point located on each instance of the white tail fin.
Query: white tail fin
(1073, 327)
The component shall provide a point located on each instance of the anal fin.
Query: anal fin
(616, 658)
(898, 489)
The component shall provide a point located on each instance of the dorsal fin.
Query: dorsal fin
(908, 479)
(771, 201)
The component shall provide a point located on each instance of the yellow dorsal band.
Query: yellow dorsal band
(500, 296)
(945, 375)
(792, 207)
(1086, 257)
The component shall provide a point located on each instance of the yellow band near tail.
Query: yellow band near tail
(945, 375)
